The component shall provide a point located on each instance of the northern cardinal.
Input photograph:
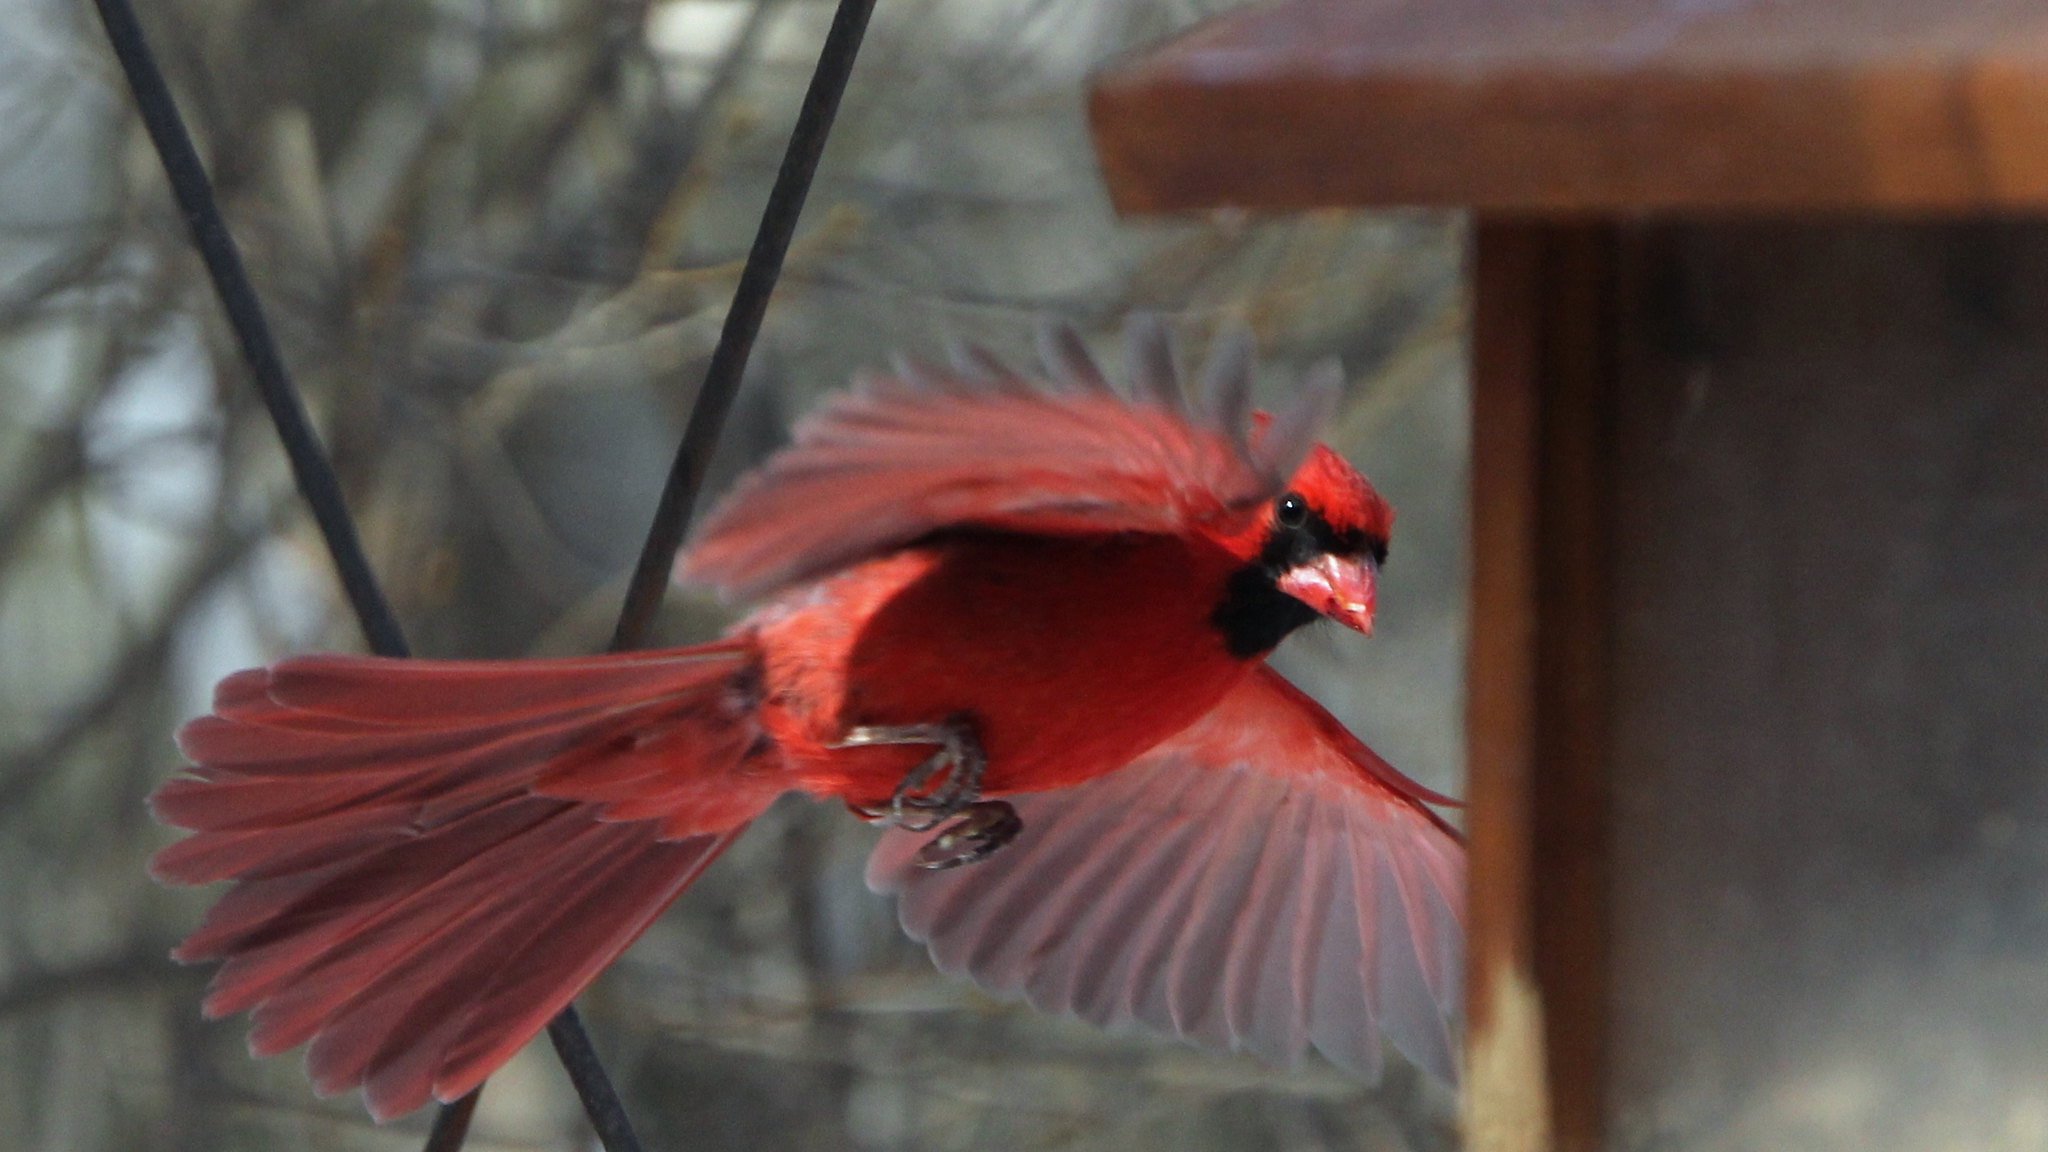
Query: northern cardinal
(1021, 623)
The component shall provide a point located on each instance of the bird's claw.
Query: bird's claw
(919, 804)
(983, 828)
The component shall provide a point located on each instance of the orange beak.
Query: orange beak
(1344, 588)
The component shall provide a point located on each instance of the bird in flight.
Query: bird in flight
(1019, 621)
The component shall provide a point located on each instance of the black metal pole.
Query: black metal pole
(743, 321)
(707, 420)
(451, 1124)
(572, 1046)
(316, 480)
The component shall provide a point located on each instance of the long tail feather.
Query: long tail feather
(430, 859)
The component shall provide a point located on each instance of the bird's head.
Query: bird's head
(1315, 551)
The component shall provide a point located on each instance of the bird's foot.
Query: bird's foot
(983, 828)
(945, 785)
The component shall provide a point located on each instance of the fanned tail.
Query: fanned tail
(430, 859)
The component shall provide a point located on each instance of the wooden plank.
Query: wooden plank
(1507, 1104)
(1537, 688)
(1588, 106)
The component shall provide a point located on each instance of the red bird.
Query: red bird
(1035, 614)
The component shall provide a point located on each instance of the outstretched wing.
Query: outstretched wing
(980, 446)
(1262, 882)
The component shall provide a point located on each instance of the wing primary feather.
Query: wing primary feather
(1093, 849)
(1369, 892)
(1106, 966)
(1099, 984)
(1291, 965)
(985, 369)
(1199, 961)
(1253, 1022)
(1019, 917)
(1408, 1012)
(1294, 430)
(876, 382)
(1422, 914)
(1150, 363)
(921, 375)
(1067, 361)
(1342, 1021)
(1153, 976)
(1227, 379)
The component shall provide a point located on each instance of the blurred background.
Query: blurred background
(496, 238)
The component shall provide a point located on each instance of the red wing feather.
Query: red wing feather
(1260, 883)
(930, 449)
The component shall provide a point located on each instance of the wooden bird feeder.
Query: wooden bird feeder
(1758, 677)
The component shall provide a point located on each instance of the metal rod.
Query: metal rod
(579, 1058)
(451, 1124)
(700, 438)
(742, 321)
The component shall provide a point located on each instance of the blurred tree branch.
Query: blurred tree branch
(38, 989)
(141, 664)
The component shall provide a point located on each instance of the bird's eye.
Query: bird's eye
(1292, 512)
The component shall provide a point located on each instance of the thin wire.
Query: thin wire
(194, 192)
(742, 321)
